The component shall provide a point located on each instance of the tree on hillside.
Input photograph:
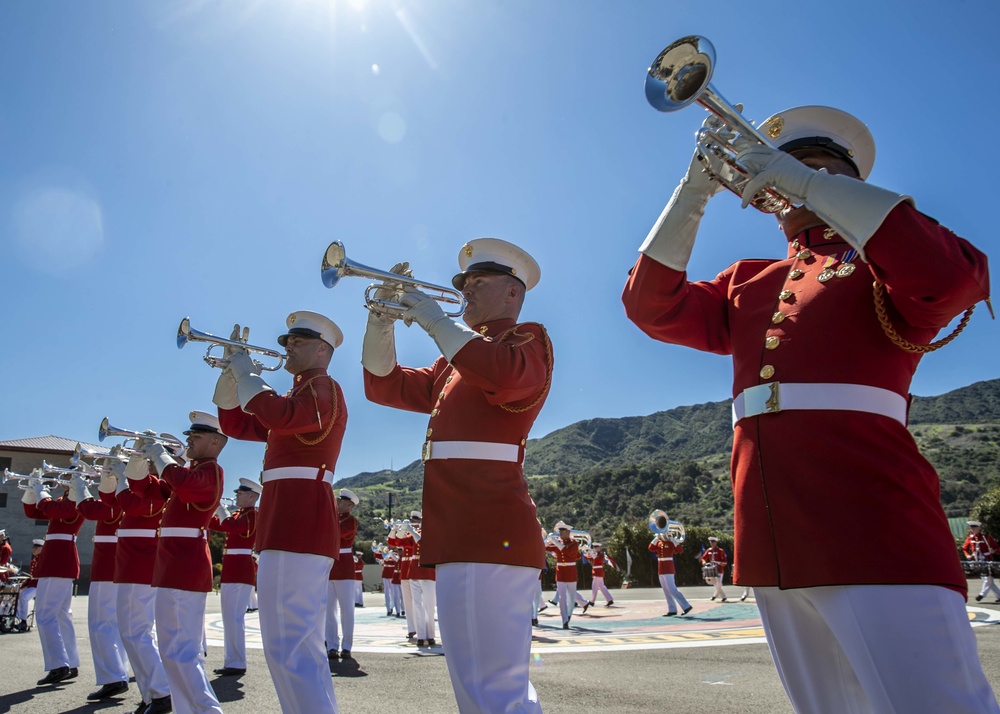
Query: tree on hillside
(987, 511)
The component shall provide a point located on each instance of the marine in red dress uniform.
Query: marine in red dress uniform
(359, 579)
(406, 550)
(297, 529)
(340, 596)
(182, 575)
(980, 547)
(665, 549)
(422, 581)
(107, 650)
(483, 396)
(717, 557)
(5, 554)
(813, 365)
(567, 553)
(597, 560)
(29, 586)
(239, 573)
(58, 567)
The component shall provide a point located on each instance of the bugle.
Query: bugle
(336, 266)
(186, 333)
(661, 525)
(81, 452)
(138, 437)
(23, 479)
(89, 473)
(680, 75)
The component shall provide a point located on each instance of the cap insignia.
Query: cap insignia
(774, 127)
(468, 250)
(291, 319)
(191, 416)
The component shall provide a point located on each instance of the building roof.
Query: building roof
(49, 444)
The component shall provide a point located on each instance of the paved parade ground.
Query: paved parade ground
(624, 658)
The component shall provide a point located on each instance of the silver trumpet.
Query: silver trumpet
(89, 473)
(22, 479)
(681, 74)
(138, 437)
(81, 452)
(186, 333)
(336, 266)
(667, 529)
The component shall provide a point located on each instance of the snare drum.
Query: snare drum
(709, 572)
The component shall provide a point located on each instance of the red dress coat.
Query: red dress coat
(596, 565)
(136, 555)
(107, 515)
(982, 544)
(5, 553)
(359, 568)
(491, 392)
(241, 533)
(665, 549)
(343, 567)
(184, 563)
(804, 478)
(566, 558)
(59, 558)
(389, 566)
(715, 555)
(305, 428)
(417, 569)
(31, 582)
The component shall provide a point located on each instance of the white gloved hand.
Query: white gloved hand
(109, 481)
(137, 468)
(772, 168)
(249, 383)
(237, 336)
(389, 292)
(222, 513)
(40, 488)
(403, 529)
(158, 456)
(378, 349)
(30, 496)
(122, 484)
(671, 238)
(449, 335)
(78, 489)
(225, 396)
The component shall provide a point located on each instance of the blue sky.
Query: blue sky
(161, 160)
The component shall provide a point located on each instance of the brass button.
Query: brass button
(523, 442)
(767, 371)
(795, 274)
(434, 412)
(441, 395)
(804, 254)
(772, 343)
(450, 377)
(778, 317)
(429, 432)
(785, 295)
(796, 244)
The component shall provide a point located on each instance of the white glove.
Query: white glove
(389, 292)
(225, 396)
(78, 489)
(158, 456)
(237, 335)
(110, 480)
(123, 482)
(137, 468)
(30, 496)
(248, 380)
(402, 529)
(416, 535)
(671, 238)
(675, 541)
(851, 207)
(378, 350)
(40, 489)
(222, 513)
(393, 532)
(449, 335)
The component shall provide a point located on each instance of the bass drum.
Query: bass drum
(709, 573)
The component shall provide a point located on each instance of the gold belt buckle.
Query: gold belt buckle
(773, 403)
(425, 451)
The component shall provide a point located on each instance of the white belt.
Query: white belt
(661, 559)
(237, 551)
(481, 450)
(105, 539)
(565, 565)
(346, 550)
(59, 536)
(776, 396)
(136, 533)
(173, 532)
(306, 473)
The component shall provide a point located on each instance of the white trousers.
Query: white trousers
(180, 624)
(253, 599)
(875, 648)
(599, 587)
(340, 596)
(54, 620)
(106, 648)
(671, 592)
(424, 602)
(359, 592)
(485, 618)
(24, 599)
(408, 605)
(136, 605)
(988, 585)
(387, 592)
(577, 597)
(536, 602)
(235, 601)
(292, 588)
(397, 598)
(567, 596)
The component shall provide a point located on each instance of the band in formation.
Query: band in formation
(822, 359)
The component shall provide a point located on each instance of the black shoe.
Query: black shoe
(585, 606)
(73, 673)
(687, 609)
(742, 598)
(421, 643)
(358, 604)
(107, 691)
(553, 602)
(22, 626)
(55, 675)
(141, 709)
(159, 705)
(543, 607)
(410, 635)
(389, 614)
(997, 600)
(591, 603)
(713, 597)
(345, 654)
(609, 603)
(670, 614)
(431, 642)
(534, 623)
(725, 599)
(565, 625)
(230, 671)
(331, 654)
(978, 598)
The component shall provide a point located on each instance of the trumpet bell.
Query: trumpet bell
(680, 73)
(334, 264)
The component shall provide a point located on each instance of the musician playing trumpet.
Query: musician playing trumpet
(597, 560)
(567, 552)
(665, 546)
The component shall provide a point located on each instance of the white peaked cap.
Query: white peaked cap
(311, 324)
(492, 255)
(38, 541)
(561, 526)
(349, 495)
(417, 514)
(204, 422)
(826, 128)
(248, 485)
